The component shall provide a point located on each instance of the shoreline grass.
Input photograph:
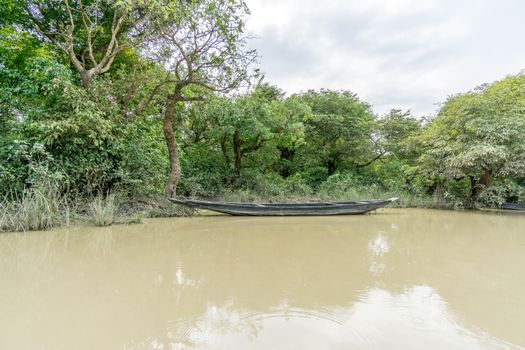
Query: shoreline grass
(102, 210)
(406, 199)
(38, 208)
(43, 210)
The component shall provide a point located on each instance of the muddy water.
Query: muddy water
(396, 279)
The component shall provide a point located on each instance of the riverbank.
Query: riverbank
(44, 208)
(40, 211)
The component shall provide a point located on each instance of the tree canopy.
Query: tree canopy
(143, 97)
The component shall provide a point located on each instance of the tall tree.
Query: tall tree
(205, 48)
(246, 124)
(91, 33)
(339, 131)
(396, 130)
(480, 136)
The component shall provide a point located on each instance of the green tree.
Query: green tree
(396, 141)
(243, 137)
(397, 129)
(84, 131)
(204, 48)
(339, 132)
(90, 33)
(250, 123)
(292, 114)
(479, 136)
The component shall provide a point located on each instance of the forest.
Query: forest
(115, 105)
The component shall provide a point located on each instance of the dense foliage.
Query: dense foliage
(110, 96)
(477, 144)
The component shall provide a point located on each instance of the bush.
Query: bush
(39, 207)
(103, 210)
(204, 173)
(499, 193)
(315, 176)
(340, 185)
(273, 186)
(142, 159)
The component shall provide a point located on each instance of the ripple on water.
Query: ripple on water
(417, 318)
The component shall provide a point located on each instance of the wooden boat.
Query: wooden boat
(513, 206)
(287, 209)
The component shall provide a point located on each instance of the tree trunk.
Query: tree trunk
(478, 185)
(86, 78)
(486, 178)
(173, 153)
(237, 151)
(286, 157)
(475, 190)
(331, 166)
(439, 193)
(225, 151)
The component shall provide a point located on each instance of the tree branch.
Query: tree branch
(89, 30)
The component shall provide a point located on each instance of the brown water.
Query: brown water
(395, 279)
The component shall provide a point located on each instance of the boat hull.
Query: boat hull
(288, 209)
(513, 206)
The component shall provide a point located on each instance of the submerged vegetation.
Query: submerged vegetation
(130, 98)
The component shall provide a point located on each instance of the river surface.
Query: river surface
(394, 279)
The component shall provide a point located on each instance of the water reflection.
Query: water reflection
(378, 247)
(415, 319)
(418, 318)
(402, 279)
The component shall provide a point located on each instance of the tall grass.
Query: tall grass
(39, 207)
(102, 211)
(162, 208)
(337, 188)
(5, 216)
(406, 198)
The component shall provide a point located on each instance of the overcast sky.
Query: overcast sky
(408, 54)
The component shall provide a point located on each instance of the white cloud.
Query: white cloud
(406, 54)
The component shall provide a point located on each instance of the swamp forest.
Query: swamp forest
(111, 107)
(121, 120)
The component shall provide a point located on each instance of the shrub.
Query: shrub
(339, 185)
(102, 210)
(204, 173)
(499, 193)
(39, 207)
